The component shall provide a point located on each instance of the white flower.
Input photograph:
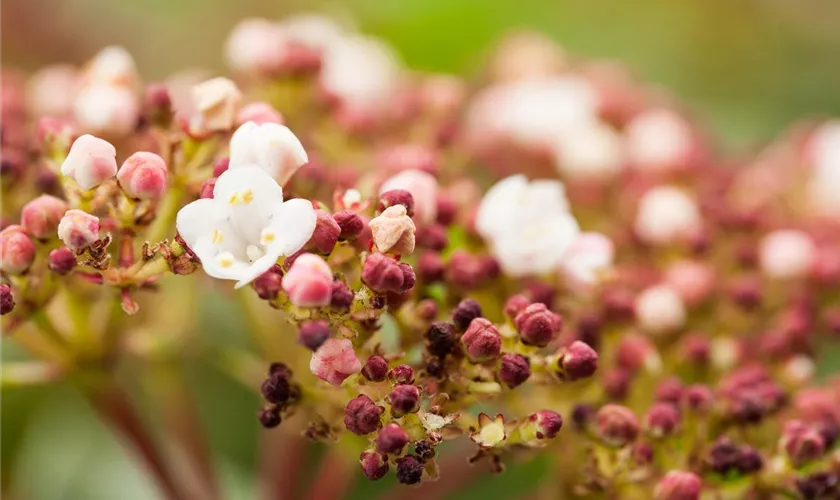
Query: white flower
(591, 152)
(314, 31)
(271, 146)
(362, 72)
(104, 108)
(824, 148)
(255, 45)
(659, 309)
(527, 224)
(658, 140)
(112, 66)
(588, 258)
(666, 214)
(786, 254)
(90, 162)
(240, 232)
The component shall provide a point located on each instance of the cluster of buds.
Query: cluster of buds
(558, 243)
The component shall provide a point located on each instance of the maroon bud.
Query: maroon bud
(642, 453)
(424, 450)
(662, 420)
(616, 383)
(515, 305)
(397, 197)
(548, 423)
(818, 485)
(325, 235)
(447, 209)
(619, 304)
(582, 414)
(409, 470)
(409, 278)
(276, 389)
(725, 457)
(62, 261)
(313, 334)
(269, 283)
(391, 439)
(801, 442)
(207, 188)
(433, 237)
(401, 374)
(158, 105)
(361, 415)
(482, 341)
(616, 425)
(746, 293)
(589, 329)
(426, 309)
(466, 311)
(541, 293)
(515, 370)
(636, 353)
(342, 296)
(350, 223)
(7, 300)
(270, 417)
(699, 398)
(749, 460)
(374, 465)
(678, 485)
(384, 274)
(670, 390)
(696, 349)
(465, 270)
(278, 368)
(440, 339)
(403, 399)
(375, 369)
(430, 267)
(577, 361)
(537, 325)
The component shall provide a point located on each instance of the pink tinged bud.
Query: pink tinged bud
(375, 369)
(662, 420)
(787, 254)
(143, 176)
(325, 235)
(334, 361)
(430, 267)
(374, 464)
(670, 390)
(802, 442)
(7, 299)
(158, 105)
(678, 485)
(40, 217)
(515, 305)
(107, 109)
(537, 325)
(207, 188)
(313, 334)
(659, 309)
(694, 281)
(269, 284)
(396, 197)
(259, 113)
(78, 230)
(90, 162)
(404, 398)
(62, 261)
(515, 370)
(350, 224)
(401, 374)
(423, 188)
(699, 398)
(309, 281)
(17, 250)
(55, 134)
(393, 231)
(578, 361)
(361, 415)
(548, 423)
(667, 215)
(342, 297)
(217, 101)
(391, 439)
(384, 274)
(482, 341)
(616, 425)
(636, 353)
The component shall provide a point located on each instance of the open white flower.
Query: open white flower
(361, 71)
(271, 146)
(242, 231)
(588, 259)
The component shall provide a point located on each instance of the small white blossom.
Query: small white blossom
(242, 231)
(593, 152)
(665, 215)
(659, 140)
(271, 146)
(590, 256)
(362, 72)
(90, 162)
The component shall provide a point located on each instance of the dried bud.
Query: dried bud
(424, 450)
(430, 267)
(515, 305)
(401, 374)
(801, 442)
(217, 101)
(334, 361)
(276, 388)
(374, 464)
(270, 417)
(90, 162)
(391, 439)
(577, 361)
(7, 299)
(342, 296)
(678, 485)
(440, 339)
(375, 369)
(466, 311)
(309, 281)
(350, 223)
(269, 284)
(17, 250)
(404, 398)
(78, 230)
(62, 261)
(361, 415)
(393, 231)
(616, 425)
(40, 217)
(515, 370)
(325, 235)
(314, 333)
(662, 420)
(143, 176)
(482, 341)
(396, 197)
(384, 274)
(409, 470)
(537, 325)
(547, 423)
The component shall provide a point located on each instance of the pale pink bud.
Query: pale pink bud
(255, 46)
(143, 176)
(692, 280)
(659, 140)
(309, 281)
(588, 259)
(78, 229)
(90, 162)
(17, 250)
(334, 361)
(106, 109)
(111, 66)
(423, 188)
(217, 101)
(666, 215)
(393, 231)
(259, 113)
(40, 217)
(787, 254)
(659, 309)
(50, 91)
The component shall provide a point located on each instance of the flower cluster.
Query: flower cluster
(558, 244)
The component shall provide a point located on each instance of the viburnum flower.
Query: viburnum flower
(589, 257)
(491, 431)
(423, 188)
(272, 146)
(393, 231)
(334, 361)
(666, 215)
(106, 109)
(255, 46)
(90, 162)
(112, 65)
(787, 254)
(659, 140)
(527, 224)
(660, 309)
(217, 100)
(593, 152)
(242, 231)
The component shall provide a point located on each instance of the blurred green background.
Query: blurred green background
(747, 67)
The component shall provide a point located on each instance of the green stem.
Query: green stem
(166, 213)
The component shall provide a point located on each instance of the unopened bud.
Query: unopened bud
(40, 217)
(313, 334)
(78, 230)
(616, 425)
(90, 162)
(515, 370)
(361, 415)
(375, 369)
(577, 361)
(404, 398)
(17, 250)
(537, 325)
(662, 420)
(397, 197)
(62, 261)
(482, 341)
(350, 223)
(409, 470)
(7, 299)
(143, 176)
(466, 311)
(391, 439)
(269, 284)
(342, 296)
(401, 374)
(325, 235)
(374, 464)
(678, 485)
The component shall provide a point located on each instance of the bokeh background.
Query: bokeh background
(748, 68)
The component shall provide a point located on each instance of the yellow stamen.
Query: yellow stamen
(247, 196)
(218, 236)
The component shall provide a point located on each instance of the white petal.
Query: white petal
(257, 268)
(293, 223)
(198, 219)
(496, 207)
(211, 265)
(251, 196)
(279, 151)
(242, 146)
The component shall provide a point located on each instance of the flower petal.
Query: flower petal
(293, 223)
(257, 268)
(198, 219)
(251, 195)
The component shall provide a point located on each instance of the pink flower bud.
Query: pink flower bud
(17, 250)
(537, 325)
(383, 274)
(334, 361)
(662, 420)
(314, 333)
(616, 425)
(62, 261)
(143, 176)
(515, 305)
(375, 369)
(7, 299)
(269, 284)
(694, 281)
(325, 235)
(391, 439)
(361, 415)
(350, 223)
(787, 254)
(40, 217)
(90, 162)
(158, 104)
(482, 341)
(259, 113)
(342, 296)
(678, 485)
(107, 109)
(801, 442)
(309, 281)
(55, 135)
(423, 188)
(374, 464)
(515, 370)
(401, 374)
(578, 361)
(466, 311)
(404, 398)
(659, 310)
(78, 230)
(393, 231)
(636, 353)
(547, 423)
(430, 267)
(207, 188)
(666, 215)
(217, 101)
(396, 197)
